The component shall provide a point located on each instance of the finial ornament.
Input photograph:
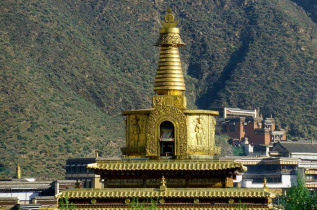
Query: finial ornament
(163, 182)
(169, 19)
(265, 184)
(18, 172)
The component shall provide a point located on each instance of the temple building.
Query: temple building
(248, 125)
(170, 152)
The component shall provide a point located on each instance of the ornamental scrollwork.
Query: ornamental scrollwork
(169, 100)
(169, 39)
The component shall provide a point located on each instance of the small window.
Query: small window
(232, 128)
(224, 128)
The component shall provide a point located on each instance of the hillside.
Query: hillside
(68, 69)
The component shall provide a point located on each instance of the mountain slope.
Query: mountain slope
(68, 69)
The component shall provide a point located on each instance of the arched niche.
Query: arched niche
(167, 139)
(156, 118)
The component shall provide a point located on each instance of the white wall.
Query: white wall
(304, 156)
(287, 181)
(22, 196)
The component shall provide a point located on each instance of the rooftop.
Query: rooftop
(299, 146)
(166, 165)
(169, 192)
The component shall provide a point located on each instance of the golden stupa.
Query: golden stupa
(170, 151)
(168, 129)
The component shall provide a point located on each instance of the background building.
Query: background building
(241, 124)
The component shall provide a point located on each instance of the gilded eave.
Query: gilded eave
(198, 111)
(139, 111)
(86, 193)
(194, 165)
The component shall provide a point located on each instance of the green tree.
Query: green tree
(149, 204)
(299, 197)
(64, 204)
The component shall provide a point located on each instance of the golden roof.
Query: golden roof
(201, 165)
(81, 193)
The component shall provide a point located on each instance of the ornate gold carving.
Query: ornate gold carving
(200, 133)
(169, 100)
(136, 129)
(198, 130)
(175, 116)
(170, 39)
(127, 201)
(196, 200)
(93, 201)
(231, 201)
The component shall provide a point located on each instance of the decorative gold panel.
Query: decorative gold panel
(169, 100)
(173, 115)
(201, 133)
(198, 130)
(136, 129)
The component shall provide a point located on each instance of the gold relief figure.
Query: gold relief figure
(136, 130)
(200, 137)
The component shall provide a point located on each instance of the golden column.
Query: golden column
(169, 76)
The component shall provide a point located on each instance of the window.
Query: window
(232, 128)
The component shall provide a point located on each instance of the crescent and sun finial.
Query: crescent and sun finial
(169, 19)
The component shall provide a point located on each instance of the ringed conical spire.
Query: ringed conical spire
(169, 78)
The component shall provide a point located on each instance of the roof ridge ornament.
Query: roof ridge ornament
(163, 184)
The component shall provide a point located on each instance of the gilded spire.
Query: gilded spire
(169, 76)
